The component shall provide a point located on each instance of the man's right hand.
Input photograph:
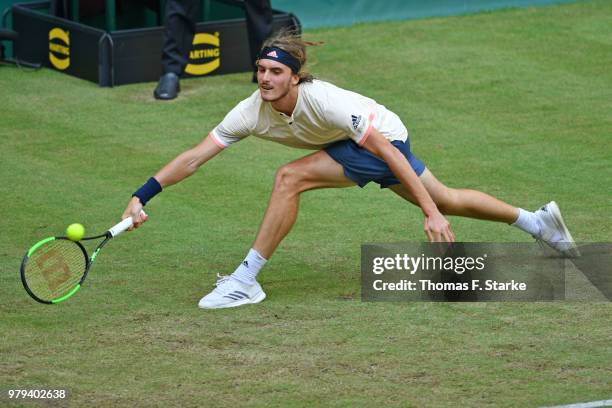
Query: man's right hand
(134, 210)
(437, 228)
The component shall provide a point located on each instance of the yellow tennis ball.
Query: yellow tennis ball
(75, 232)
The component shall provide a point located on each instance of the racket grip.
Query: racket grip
(122, 226)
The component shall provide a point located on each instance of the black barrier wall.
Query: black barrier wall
(128, 56)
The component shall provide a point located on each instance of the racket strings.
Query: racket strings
(55, 268)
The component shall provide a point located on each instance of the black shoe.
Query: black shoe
(168, 87)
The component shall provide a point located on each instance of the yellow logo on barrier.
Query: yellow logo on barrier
(59, 48)
(199, 54)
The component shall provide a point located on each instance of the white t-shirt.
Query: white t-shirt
(323, 114)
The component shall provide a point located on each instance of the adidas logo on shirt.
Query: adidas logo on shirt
(356, 120)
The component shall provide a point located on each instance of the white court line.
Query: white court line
(592, 404)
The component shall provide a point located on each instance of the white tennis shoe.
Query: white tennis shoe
(553, 231)
(230, 292)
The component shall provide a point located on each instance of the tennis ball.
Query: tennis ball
(75, 232)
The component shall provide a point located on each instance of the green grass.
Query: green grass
(516, 103)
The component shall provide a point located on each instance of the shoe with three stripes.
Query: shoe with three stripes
(554, 232)
(231, 292)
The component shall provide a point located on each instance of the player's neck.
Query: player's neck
(287, 103)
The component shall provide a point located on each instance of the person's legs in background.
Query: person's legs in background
(180, 21)
(259, 27)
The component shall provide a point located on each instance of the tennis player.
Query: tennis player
(356, 141)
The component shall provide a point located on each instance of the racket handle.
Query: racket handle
(122, 226)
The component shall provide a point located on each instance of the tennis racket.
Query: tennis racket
(55, 268)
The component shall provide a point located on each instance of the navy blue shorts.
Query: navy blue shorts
(362, 166)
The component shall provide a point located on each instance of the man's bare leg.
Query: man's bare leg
(314, 171)
(462, 202)
(317, 170)
(546, 224)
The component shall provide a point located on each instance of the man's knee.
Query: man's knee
(288, 178)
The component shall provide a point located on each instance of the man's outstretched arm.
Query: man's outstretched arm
(436, 226)
(183, 166)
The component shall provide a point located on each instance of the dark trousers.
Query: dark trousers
(181, 17)
(259, 25)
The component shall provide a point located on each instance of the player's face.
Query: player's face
(275, 80)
